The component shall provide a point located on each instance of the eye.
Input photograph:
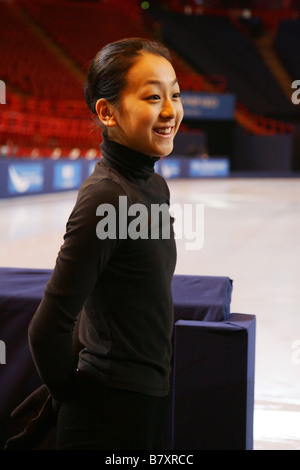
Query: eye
(153, 97)
(177, 95)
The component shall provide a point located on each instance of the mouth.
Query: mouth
(164, 132)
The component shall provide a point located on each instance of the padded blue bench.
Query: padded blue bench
(211, 400)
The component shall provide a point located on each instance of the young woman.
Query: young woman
(112, 395)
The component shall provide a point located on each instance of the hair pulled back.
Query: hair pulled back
(107, 73)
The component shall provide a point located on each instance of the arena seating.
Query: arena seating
(45, 106)
(98, 23)
(287, 42)
(212, 44)
(26, 63)
(83, 29)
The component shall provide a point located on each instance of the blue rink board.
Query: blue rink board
(21, 177)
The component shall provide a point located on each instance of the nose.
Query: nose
(168, 110)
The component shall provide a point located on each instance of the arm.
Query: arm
(40, 409)
(82, 258)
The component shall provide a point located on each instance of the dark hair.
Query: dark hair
(107, 73)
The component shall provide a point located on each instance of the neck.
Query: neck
(130, 163)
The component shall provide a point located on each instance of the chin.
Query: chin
(166, 152)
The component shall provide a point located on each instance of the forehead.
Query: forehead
(150, 68)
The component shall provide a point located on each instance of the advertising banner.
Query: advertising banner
(67, 175)
(214, 106)
(21, 178)
(25, 178)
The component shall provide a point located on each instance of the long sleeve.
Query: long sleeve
(80, 262)
(119, 286)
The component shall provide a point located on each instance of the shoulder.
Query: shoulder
(101, 186)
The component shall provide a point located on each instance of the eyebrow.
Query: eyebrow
(158, 82)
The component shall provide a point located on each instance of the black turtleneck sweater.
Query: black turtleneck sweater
(120, 286)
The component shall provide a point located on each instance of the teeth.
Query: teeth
(166, 130)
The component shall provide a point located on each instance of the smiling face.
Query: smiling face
(150, 111)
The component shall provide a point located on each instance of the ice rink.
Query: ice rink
(252, 235)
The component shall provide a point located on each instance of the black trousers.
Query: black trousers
(97, 417)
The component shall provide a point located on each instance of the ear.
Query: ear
(105, 113)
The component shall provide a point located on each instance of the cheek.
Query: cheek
(140, 117)
(137, 118)
(127, 112)
(145, 121)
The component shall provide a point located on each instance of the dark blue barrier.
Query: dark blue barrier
(211, 400)
(270, 153)
(185, 167)
(21, 177)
